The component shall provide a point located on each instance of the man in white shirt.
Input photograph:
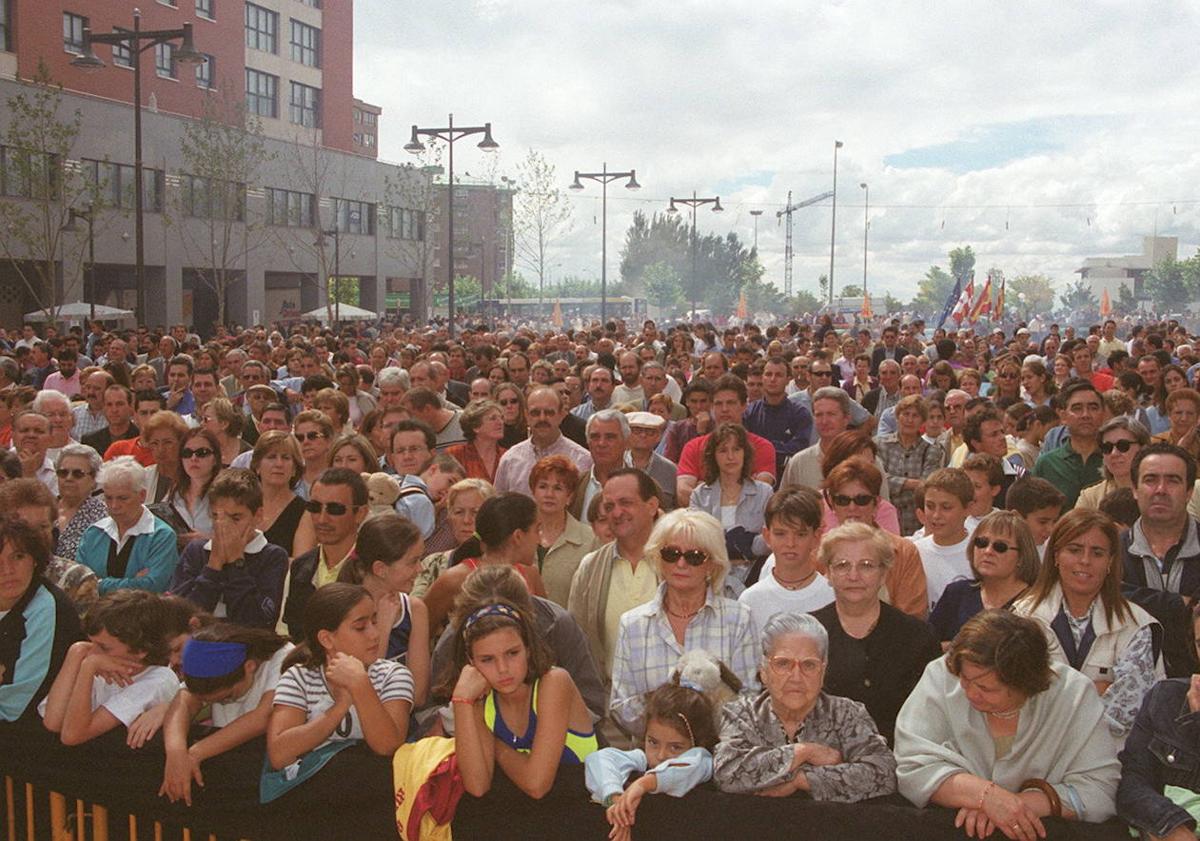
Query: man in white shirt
(943, 549)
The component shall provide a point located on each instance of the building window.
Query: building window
(404, 223)
(206, 9)
(306, 106)
(122, 54)
(354, 217)
(368, 118)
(262, 93)
(289, 208)
(114, 183)
(164, 61)
(316, 4)
(306, 44)
(206, 72)
(214, 199)
(28, 175)
(262, 29)
(73, 26)
(5, 17)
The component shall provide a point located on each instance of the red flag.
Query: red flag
(998, 313)
(983, 306)
(963, 308)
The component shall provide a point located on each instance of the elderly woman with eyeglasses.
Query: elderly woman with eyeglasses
(876, 652)
(999, 732)
(793, 736)
(76, 467)
(687, 613)
(1121, 439)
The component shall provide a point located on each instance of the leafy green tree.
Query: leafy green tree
(1126, 303)
(663, 288)
(962, 262)
(823, 286)
(852, 291)
(1171, 284)
(892, 304)
(42, 185)
(1039, 295)
(1078, 297)
(932, 291)
(804, 302)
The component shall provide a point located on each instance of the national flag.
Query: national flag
(998, 310)
(556, 316)
(1105, 304)
(983, 306)
(963, 308)
(866, 307)
(951, 300)
(741, 308)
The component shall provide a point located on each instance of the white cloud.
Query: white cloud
(696, 94)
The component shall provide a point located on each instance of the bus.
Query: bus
(617, 306)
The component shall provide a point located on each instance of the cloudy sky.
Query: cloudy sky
(1039, 133)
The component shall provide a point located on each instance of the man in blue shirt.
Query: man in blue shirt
(783, 422)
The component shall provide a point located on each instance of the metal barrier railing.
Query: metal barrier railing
(67, 824)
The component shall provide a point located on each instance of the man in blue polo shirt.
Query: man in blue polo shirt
(783, 422)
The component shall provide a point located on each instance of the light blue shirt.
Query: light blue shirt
(606, 770)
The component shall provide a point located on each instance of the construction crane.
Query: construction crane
(787, 247)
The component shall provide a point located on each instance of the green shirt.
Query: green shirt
(1066, 470)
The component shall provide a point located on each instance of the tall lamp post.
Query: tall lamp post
(137, 41)
(756, 214)
(866, 228)
(693, 203)
(337, 269)
(603, 177)
(837, 144)
(87, 215)
(450, 134)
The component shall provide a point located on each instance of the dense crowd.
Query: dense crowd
(957, 568)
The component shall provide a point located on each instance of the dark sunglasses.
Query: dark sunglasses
(199, 452)
(1122, 446)
(73, 472)
(861, 500)
(335, 509)
(821, 373)
(694, 557)
(310, 436)
(999, 545)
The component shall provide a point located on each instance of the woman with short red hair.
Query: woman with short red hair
(562, 540)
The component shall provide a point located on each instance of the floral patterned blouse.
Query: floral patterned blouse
(90, 511)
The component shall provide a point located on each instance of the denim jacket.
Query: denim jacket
(1162, 749)
(751, 507)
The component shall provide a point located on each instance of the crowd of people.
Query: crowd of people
(952, 567)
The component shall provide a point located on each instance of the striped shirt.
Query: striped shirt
(306, 689)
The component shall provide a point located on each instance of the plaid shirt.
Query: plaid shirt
(85, 422)
(647, 651)
(899, 464)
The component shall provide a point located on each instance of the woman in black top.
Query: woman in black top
(876, 653)
(278, 465)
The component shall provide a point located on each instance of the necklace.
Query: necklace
(1007, 715)
(795, 584)
(681, 615)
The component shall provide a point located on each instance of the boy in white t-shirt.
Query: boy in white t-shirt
(943, 549)
(789, 583)
(119, 673)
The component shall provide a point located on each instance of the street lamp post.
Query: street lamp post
(756, 214)
(450, 134)
(603, 177)
(693, 203)
(837, 144)
(337, 269)
(866, 227)
(87, 215)
(137, 41)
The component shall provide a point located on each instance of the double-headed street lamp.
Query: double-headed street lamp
(137, 41)
(450, 134)
(88, 215)
(603, 177)
(337, 268)
(866, 228)
(693, 203)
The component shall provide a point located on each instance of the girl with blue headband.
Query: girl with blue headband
(234, 669)
(511, 706)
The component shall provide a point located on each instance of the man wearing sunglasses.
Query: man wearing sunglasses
(337, 504)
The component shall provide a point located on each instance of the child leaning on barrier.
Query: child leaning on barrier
(676, 756)
(118, 673)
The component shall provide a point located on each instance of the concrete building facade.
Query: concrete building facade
(1111, 273)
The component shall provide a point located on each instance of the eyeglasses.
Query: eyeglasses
(73, 472)
(861, 500)
(1122, 446)
(999, 545)
(784, 666)
(844, 566)
(199, 452)
(511, 402)
(672, 554)
(310, 436)
(335, 509)
(821, 373)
